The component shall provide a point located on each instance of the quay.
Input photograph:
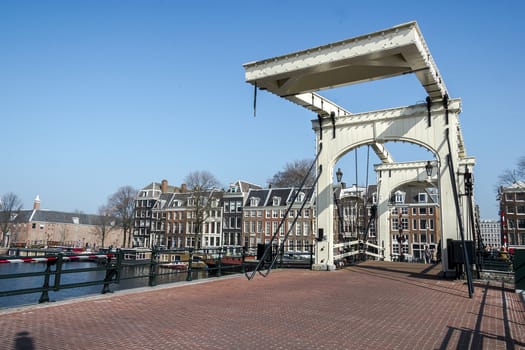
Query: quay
(373, 305)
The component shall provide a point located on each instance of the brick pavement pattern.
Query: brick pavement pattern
(368, 306)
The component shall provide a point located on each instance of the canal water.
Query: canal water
(133, 276)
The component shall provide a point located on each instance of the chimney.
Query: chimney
(36, 203)
(183, 188)
(164, 186)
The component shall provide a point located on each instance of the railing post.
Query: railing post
(111, 270)
(243, 261)
(188, 277)
(44, 298)
(58, 272)
(219, 264)
(153, 267)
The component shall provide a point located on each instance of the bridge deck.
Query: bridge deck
(370, 306)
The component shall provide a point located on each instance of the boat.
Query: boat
(174, 259)
(175, 265)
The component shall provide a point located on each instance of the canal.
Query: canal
(132, 276)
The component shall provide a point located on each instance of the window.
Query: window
(422, 197)
(276, 201)
(422, 211)
(254, 201)
(404, 223)
(395, 223)
(520, 196)
(520, 209)
(300, 197)
(399, 197)
(423, 224)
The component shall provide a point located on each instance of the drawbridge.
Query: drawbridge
(301, 77)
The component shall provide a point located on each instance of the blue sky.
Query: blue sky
(95, 95)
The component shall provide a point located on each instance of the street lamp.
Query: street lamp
(428, 168)
(339, 175)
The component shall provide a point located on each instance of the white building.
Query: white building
(490, 233)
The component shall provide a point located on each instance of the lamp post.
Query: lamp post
(400, 238)
(339, 177)
(428, 168)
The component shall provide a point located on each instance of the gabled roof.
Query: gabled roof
(266, 196)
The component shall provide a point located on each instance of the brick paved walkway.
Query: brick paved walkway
(370, 306)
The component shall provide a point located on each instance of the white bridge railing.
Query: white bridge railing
(352, 248)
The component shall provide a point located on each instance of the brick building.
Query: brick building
(512, 211)
(40, 228)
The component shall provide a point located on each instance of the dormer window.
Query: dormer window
(300, 197)
(276, 201)
(254, 201)
(400, 197)
(422, 197)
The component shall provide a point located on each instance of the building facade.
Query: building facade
(414, 223)
(274, 211)
(45, 228)
(512, 211)
(490, 232)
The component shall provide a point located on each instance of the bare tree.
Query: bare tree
(122, 204)
(293, 174)
(105, 223)
(201, 185)
(10, 206)
(511, 176)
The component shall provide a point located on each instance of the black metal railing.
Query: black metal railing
(140, 267)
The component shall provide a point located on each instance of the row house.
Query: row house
(414, 221)
(173, 217)
(274, 211)
(233, 201)
(512, 211)
(146, 225)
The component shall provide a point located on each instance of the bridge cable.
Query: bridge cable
(268, 249)
(281, 246)
(458, 214)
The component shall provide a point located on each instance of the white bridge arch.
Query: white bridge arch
(433, 125)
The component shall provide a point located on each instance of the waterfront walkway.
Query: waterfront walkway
(370, 306)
